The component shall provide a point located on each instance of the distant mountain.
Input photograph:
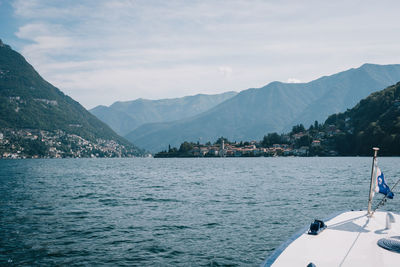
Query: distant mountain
(124, 117)
(27, 101)
(275, 107)
(373, 122)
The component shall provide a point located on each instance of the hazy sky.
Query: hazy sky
(100, 51)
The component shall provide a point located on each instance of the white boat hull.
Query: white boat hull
(349, 240)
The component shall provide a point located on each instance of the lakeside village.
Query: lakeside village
(29, 143)
(318, 140)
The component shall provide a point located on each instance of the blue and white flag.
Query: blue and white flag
(380, 184)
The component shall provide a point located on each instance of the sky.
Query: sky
(102, 51)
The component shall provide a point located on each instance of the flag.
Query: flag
(380, 184)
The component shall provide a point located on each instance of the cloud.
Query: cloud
(225, 71)
(128, 49)
(293, 80)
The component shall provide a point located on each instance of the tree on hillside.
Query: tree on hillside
(185, 147)
(303, 141)
(317, 126)
(272, 138)
(298, 129)
(314, 128)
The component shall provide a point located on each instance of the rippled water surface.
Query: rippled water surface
(170, 212)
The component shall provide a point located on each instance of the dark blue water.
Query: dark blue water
(170, 212)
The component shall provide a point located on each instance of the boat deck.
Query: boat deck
(350, 240)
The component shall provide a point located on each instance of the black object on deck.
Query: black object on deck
(316, 227)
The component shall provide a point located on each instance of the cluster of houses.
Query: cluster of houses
(252, 150)
(16, 144)
(317, 145)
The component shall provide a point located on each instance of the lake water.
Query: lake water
(171, 212)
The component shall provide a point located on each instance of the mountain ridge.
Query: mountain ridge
(272, 108)
(125, 116)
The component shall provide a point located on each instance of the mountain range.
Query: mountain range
(27, 101)
(275, 107)
(124, 117)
